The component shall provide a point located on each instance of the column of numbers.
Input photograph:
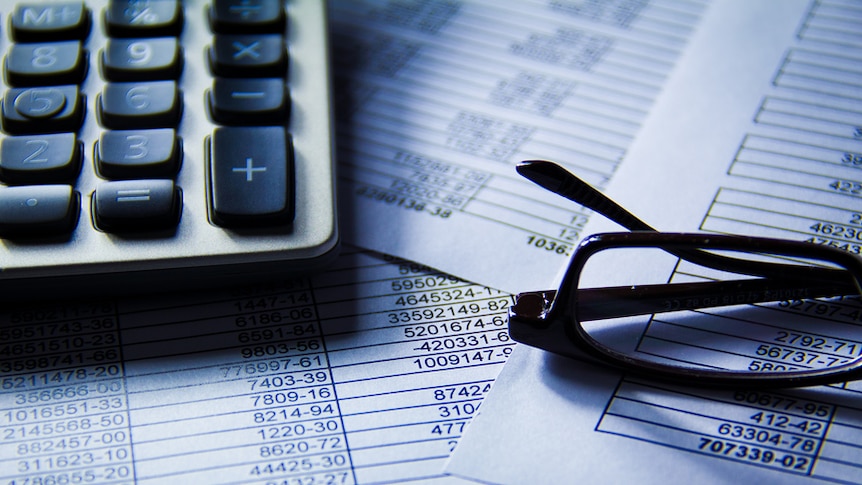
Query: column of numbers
(413, 354)
(63, 408)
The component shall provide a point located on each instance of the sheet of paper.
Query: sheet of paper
(439, 99)
(367, 373)
(762, 135)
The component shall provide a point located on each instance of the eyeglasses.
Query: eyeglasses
(702, 309)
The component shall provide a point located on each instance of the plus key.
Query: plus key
(251, 177)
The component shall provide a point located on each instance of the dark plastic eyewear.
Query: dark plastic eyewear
(702, 309)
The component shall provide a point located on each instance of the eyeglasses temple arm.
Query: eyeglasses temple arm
(560, 181)
(623, 301)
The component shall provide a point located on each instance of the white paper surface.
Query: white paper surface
(439, 100)
(759, 134)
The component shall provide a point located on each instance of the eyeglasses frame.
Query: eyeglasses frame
(548, 319)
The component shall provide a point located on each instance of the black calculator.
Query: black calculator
(152, 145)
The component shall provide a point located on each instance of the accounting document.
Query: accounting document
(761, 135)
(440, 99)
(367, 373)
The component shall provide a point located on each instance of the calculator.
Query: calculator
(153, 145)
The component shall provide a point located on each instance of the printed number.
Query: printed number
(138, 97)
(845, 186)
(43, 102)
(139, 52)
(44, 57)
(548, 245)
(137, 147)
(41, 146)
(852, 159)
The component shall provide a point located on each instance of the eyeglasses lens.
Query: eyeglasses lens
(652, 306)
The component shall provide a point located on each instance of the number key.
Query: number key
(142, 59)
(46, 64)
(42, 110)
(139, 105)
(39, 159)
(128, 154)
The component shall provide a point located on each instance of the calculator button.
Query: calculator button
(43, 110)
(46, 64)
(128, 154)
(38, 210)
(137, 205)
(249, 101)
(139, 105)
(143, 18)
(40, 22)
(251, 176)
(248, 56)
(235, 16)
(40, 103)
(142, 59)
(40, 159)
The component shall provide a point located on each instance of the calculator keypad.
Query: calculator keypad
(251, 169)
(158, 136)
(140, 108)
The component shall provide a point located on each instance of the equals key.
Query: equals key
(137, 205)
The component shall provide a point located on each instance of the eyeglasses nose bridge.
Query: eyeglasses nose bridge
(532, 306)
